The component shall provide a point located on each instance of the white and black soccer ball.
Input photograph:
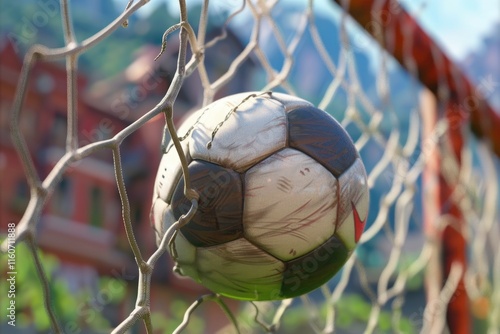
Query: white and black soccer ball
(283, 197)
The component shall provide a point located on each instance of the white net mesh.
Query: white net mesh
(395, 281)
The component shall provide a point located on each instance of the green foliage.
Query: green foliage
(75, 310)
(18, 24)
(167, 321)
(354, 308)
(351, 312)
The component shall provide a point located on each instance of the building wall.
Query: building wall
(81, 222)
(84, 208)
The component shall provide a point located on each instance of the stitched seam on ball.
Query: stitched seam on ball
(234, 109)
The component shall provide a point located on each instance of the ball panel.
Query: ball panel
(353, 204)
(161, 217)
(186, 257)
(240, 270)
(314, 269)
(169, 172)
(290, 204)
(256, 129)
(220, 206)
(316, 133)
(157, 219)
(290, 102)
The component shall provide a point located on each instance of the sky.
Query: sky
(457, 25)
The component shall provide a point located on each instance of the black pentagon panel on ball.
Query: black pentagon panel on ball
(320, 136)
(219, 216)
(314, 269)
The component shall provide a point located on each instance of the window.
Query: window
(63, 198)
(58, 131)
(21, 196)
(96, 207)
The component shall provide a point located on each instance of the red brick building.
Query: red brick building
(82, 215)
(81, 223)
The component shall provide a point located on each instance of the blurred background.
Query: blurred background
(81, 233)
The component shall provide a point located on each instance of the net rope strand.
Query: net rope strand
(394, 176)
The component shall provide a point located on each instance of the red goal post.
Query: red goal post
(460, 102)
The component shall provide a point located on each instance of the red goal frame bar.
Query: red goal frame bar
(392, 26)
(401, 35)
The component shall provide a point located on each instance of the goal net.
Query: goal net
(429, 258)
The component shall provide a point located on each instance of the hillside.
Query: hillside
(27, 22)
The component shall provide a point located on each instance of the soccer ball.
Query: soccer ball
(283, 197)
